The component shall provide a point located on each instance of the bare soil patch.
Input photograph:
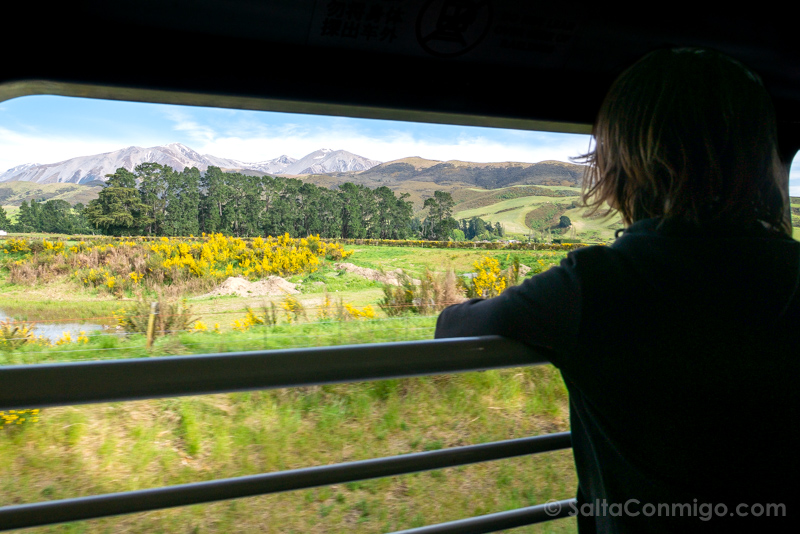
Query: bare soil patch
(236, 285)
(389, 277)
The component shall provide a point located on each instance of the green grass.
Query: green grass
(11, 213)
(511, 214)
(414, 261)
(592, 229)
(77, 451)
(513, 221)
(85, 450)
(108, 344)
(14, 193)
(55, 310)
(332, 280)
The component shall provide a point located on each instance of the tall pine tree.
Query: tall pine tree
(119, 209)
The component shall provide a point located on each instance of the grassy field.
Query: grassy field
(75, 451)
(795, 206)
(14, 193)
(532, 214)
(416, 260)
(511, 213)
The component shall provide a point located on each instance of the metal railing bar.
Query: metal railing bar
(58, 384)
(499, 521)
(96, 506)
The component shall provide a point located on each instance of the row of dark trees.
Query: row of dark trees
(440, 225)
(477, 228)
(156, 200)
(53, 216)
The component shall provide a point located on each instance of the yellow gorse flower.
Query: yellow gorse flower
(18, 417)
(488, 281)
(103, 265)
(367, 312)
(66, 337)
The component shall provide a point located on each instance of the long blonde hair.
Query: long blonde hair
(688, 134)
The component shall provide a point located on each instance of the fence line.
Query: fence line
(104, 318)
(61, 384)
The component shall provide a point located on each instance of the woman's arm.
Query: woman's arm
(543, 311)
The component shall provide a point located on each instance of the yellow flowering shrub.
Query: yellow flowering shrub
(18, 417)
(55, 246)
(251, 319)
(325, 311)
(293, 309)
(115, 264)
(367, 312)
(66, 337)
(13, 244)
(489, 281)
(241, 325)
(14, 334)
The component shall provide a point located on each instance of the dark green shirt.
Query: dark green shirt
(680, 348)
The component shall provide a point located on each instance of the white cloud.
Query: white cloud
(394, 145)
(17, 148)
(263, 143)
(247, 137)
(794, 178)
(196, 132)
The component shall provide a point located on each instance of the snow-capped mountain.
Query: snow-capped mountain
(326, 160)
(13, 171)
(273, 166)
(87, 168)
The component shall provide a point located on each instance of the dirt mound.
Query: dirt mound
(236, 285)
(390, 277)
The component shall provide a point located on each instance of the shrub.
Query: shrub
(14, 334)
(22, 273)
(398, 300)
(430, 295)
(489, 280)
(354, 313)
(324, 313)
(243, 325)
(293, 309)
(512, 272)
(116, 265)
(170, 317)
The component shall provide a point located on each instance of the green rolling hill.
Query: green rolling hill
(524, 210)
(14, 193)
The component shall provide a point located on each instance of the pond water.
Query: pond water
(55, 330)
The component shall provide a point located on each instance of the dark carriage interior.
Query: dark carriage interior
(497, 63)
(530, 65)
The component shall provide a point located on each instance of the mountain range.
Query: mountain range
(419, 177)
(85, 169)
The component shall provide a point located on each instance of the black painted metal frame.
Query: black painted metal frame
(44, 385)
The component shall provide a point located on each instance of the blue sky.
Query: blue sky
(48, 129)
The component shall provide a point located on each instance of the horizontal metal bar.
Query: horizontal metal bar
(501, 520)
(45, 513)
(42, 385)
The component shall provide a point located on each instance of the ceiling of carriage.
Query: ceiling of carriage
(524, 64)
